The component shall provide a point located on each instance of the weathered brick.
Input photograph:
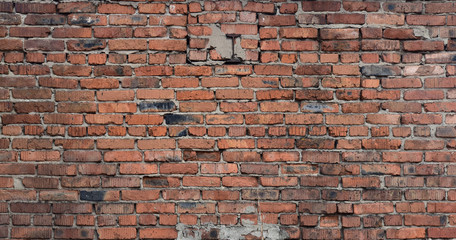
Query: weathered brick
(317, 110)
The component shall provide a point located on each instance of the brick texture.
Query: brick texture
(134, 119)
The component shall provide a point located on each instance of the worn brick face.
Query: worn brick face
(135, 119)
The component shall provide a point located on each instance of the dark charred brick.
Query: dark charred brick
(86, 45)
(201, 156)
(83, 20)
(381, 71)
(174, 119)
(111, 70)
(445, 132)
(10, 19)
(92, 195)
(44, 45)
(212, 233)
(260, 194)
(165, 106)
(141, 83)
(82, 156)
(382, 195)
(156, 182)
(35, 7)
(46, 19)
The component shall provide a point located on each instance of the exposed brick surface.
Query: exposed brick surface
(131, 120)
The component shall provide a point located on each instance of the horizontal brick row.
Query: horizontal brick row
(227, 119)
(227, 156)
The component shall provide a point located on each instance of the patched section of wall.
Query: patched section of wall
(266, 231)
(211, 43)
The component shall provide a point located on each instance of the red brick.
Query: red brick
(117, 107)
(30, 70)
(201, 181)
(380, 45)
(117, 233)
(220, 195)
(343, 33)
(423, 145)
(340, 18)
(425, 20)
(197, 107)
(29, 32)
(13, 19)
(192, 71)
(31, 232)
(239, 182)
(84, 19)
(6, 7)
(158, 233)
(196, 143)
(387, 19)
(421, 119)
(156, 144)
(72, 33)
(321, 6)
(259, 7)
(151, 8)
(364, 182)
(233, 70)
(168, 45)
(137, 20)
(75, 7)
(244, 29)
(278, 20)
(115, 8)
(216, 18)
(406, 233)
(35, 8)
(361, 6)
(33, 45)
(372, 208)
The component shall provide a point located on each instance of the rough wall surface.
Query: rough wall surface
(134, 119)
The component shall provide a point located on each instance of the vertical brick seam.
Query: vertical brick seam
(134, 119)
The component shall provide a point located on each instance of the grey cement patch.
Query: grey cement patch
(223, 45)
(270, 232)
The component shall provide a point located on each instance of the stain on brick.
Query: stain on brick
(83, 20)
(45, 19)
(201, 156)
(156, 182)
(7, 156)
(390, 6)
(174, 119)
(166, 106)
(92, 195)
(182, 133)
(445, 132)
(212, 234)
(380, 71)
(443, 220)
(272, 83)
(260, 195)
(86, 45)
(187, 205)
(316, 107)
(141, 83)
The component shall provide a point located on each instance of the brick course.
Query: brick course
(129, 119)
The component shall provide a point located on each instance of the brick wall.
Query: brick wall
(134, 119)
